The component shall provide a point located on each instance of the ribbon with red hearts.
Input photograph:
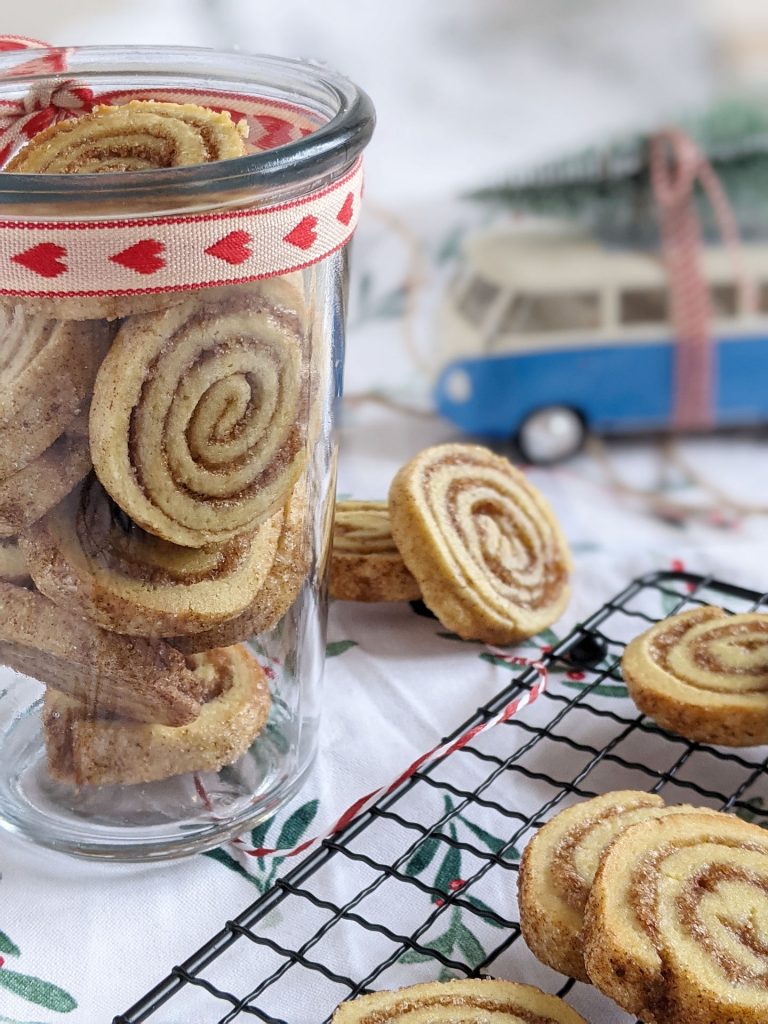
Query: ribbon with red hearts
(131, 256)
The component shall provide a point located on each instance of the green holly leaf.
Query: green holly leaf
(259, 834)
(337, 647)
(484, 908)
(423, 857)
(492, 842)
(294, 828)
(473, 952)
(548, 636)
(229, 862)
(37, 991)
(450, 869)
(7, 947)
(602, 690)
(413, 956)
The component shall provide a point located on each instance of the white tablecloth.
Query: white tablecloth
(97, 936)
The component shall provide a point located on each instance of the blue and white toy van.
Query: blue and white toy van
(544, 336)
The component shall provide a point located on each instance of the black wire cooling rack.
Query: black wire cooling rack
(400, 899)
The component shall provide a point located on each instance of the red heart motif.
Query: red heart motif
(277, 131)
(143, 257)
(303, 236)
(345, 213)
(232, 248)
(44, 259)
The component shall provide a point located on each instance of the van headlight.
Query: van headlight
(458, 386)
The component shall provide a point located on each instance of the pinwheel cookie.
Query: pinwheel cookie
(365, 564)
(559, 866)
(27, 495)
(136, 136)
(86, 554)
(97, 751)
(279, 590)
(459, 1002)
(198, 417)
(47, 370)
(677, 921)
(106, 673)
(13, 567)
(482, 543)
(703, 674)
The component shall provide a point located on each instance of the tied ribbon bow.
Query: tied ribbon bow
(677, 166)
(46, 102)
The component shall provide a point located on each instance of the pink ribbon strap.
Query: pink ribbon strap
(677, 165)
(165, 253)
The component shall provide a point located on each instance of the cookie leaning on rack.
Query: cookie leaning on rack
(559, 867)
(703, 674)
(675, 926)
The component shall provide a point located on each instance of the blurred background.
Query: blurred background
(466, 92)
(473, 100)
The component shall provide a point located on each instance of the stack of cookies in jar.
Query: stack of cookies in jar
(153, 498)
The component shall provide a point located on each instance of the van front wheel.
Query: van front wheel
(551, 434)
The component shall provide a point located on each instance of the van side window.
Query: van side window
(530, 312)
(478, 295)
(643, 306)
(724, 300)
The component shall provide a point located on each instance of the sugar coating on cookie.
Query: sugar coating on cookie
(279, 590)
(13, 565)
(483, 544)
(198, 416)
(84, 750)
(559, 867)
(87, 554)
(108, 674)
(365, 562)
(675, 923)
(703, 674)
(469, 1001)
(135, 136)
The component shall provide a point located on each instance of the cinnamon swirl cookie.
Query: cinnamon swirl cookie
(27, 495)
(677, 921)
(47, 370)
(482, 543)
(559, 866)
(198, 416)
(13, 567)
(87, 555)
(365, 563)
(465, 1001)
(703, 674)
(106, 673)
(136, 136)
(84, 750)
(279, 590)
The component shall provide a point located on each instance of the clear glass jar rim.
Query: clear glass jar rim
(328, 150)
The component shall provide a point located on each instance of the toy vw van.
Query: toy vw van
(544, 336)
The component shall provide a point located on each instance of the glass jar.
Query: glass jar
(171, 349)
